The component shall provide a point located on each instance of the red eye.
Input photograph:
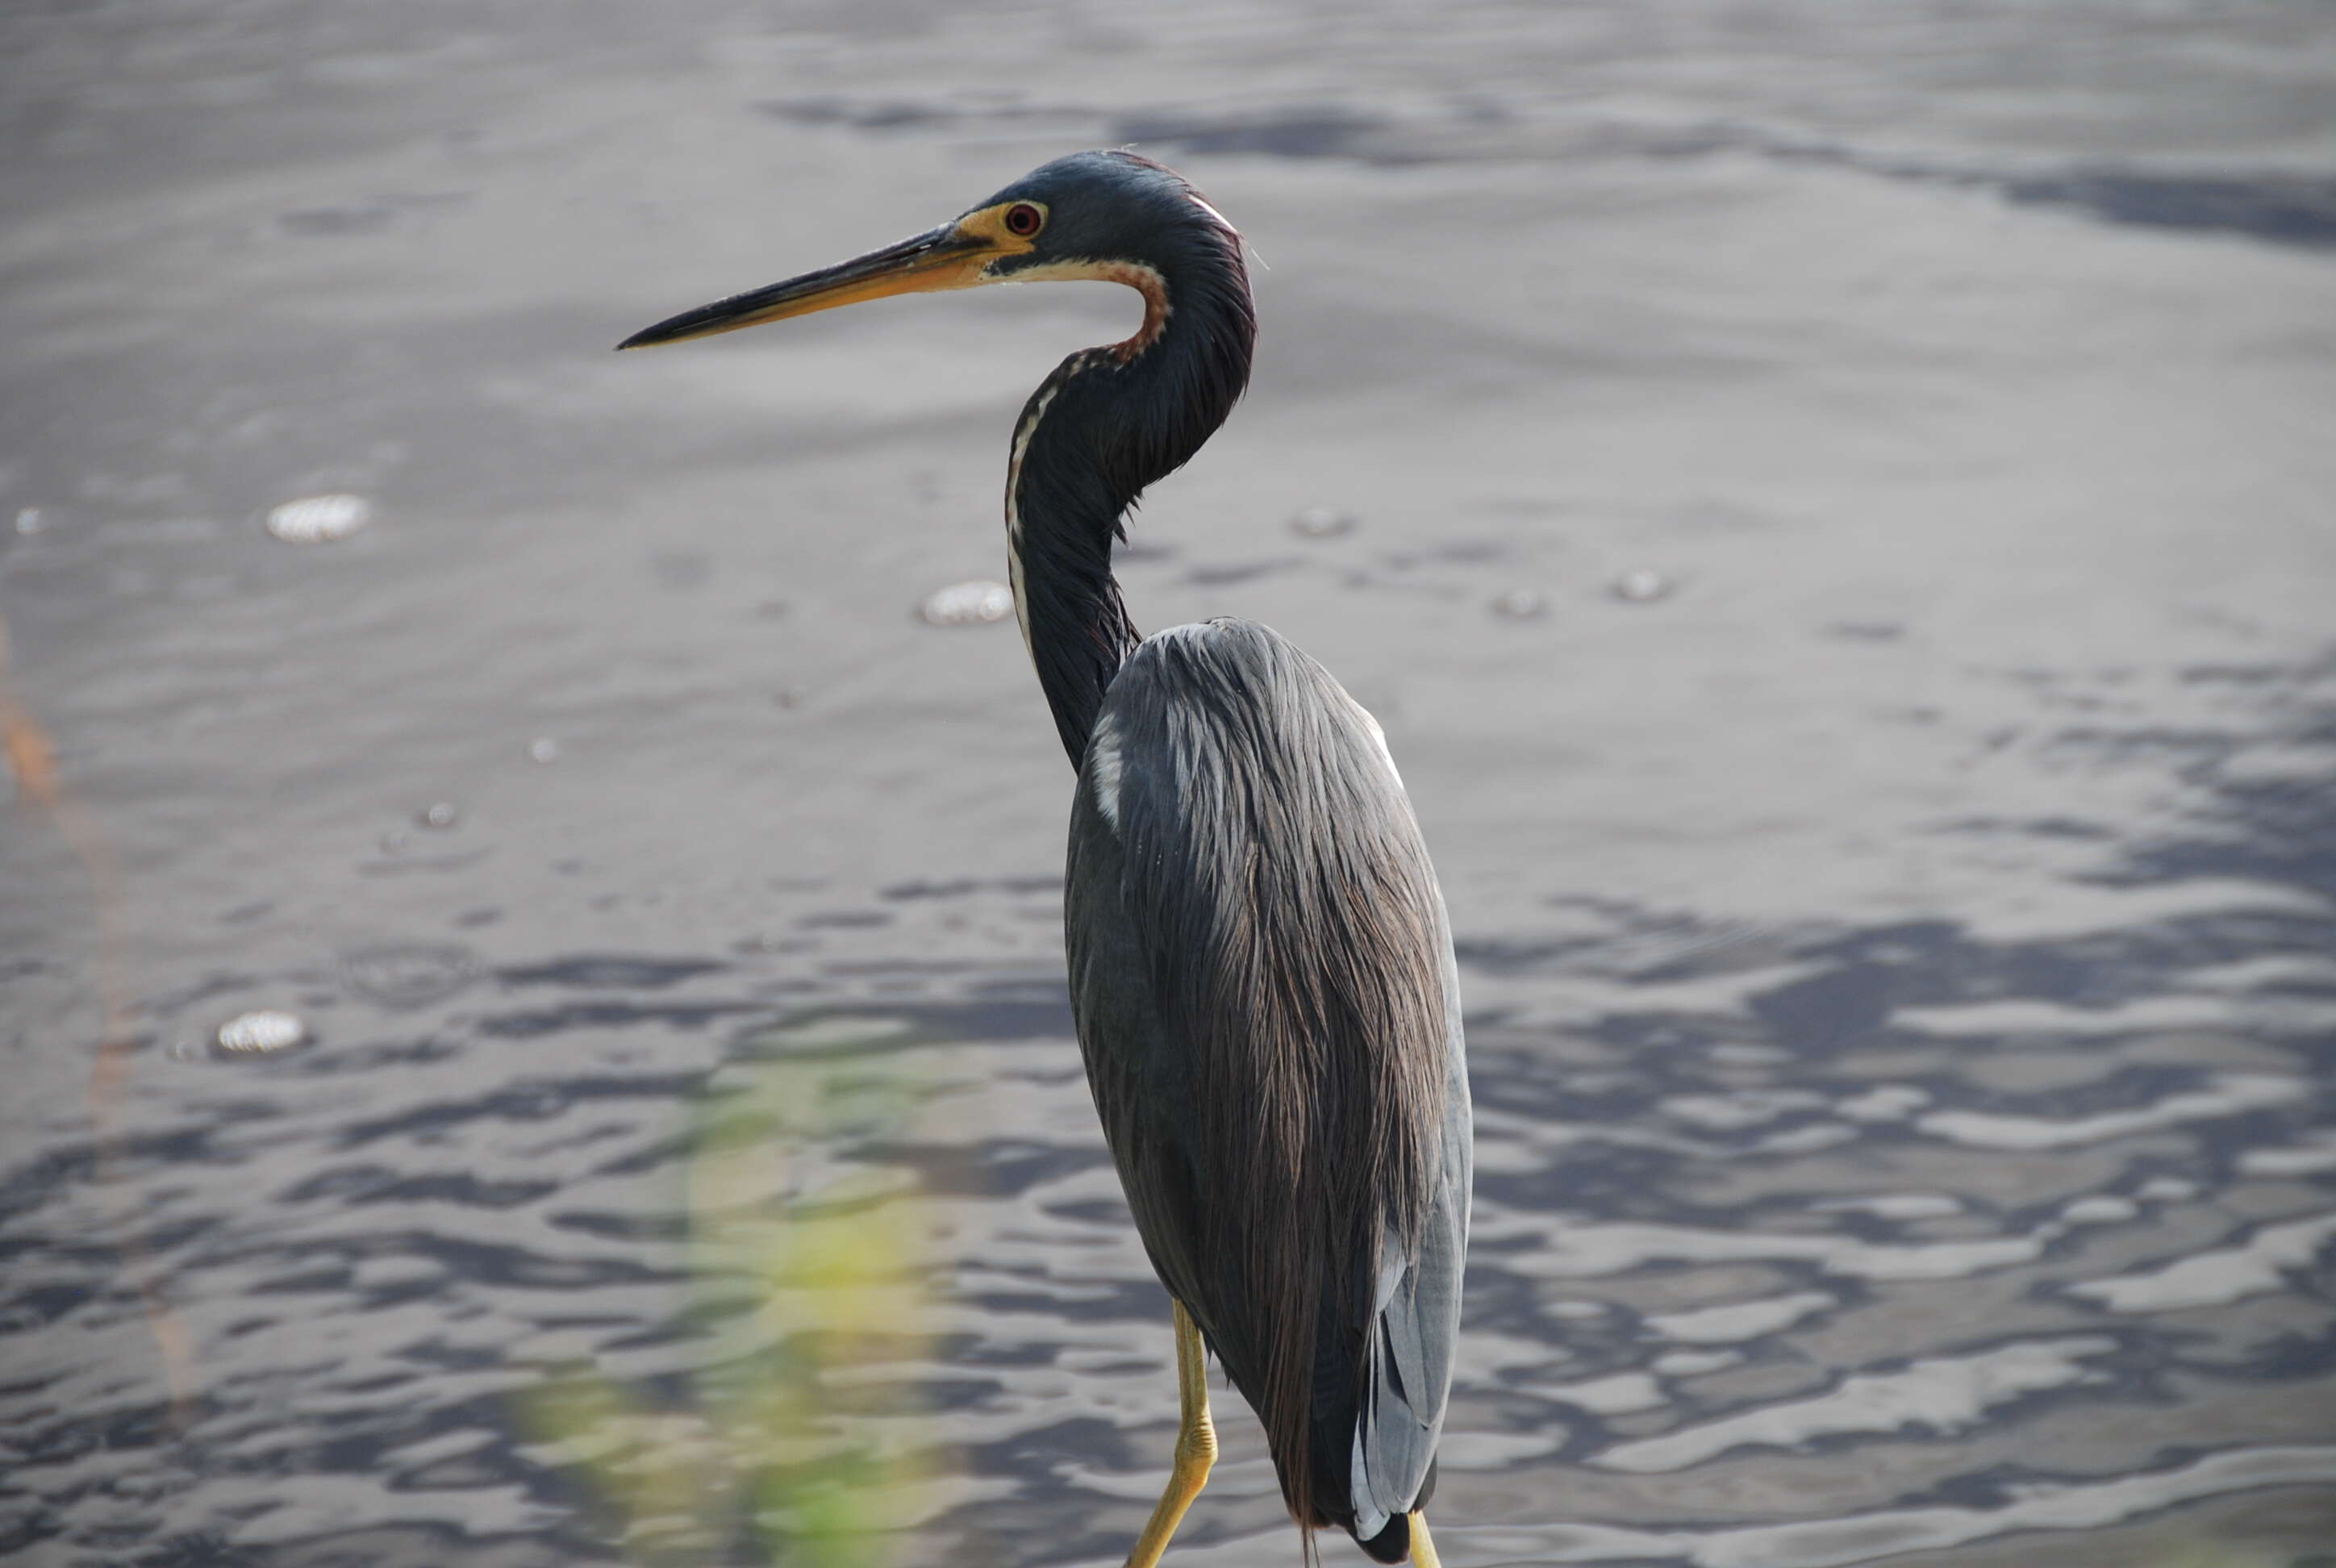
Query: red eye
(1023, 220)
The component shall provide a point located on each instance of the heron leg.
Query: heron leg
(1422, 1549)
(1196, 1445)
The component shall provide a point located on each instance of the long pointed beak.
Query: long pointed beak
(944, 258)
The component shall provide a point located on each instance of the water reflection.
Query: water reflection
(1922, 1206)
(790, 1425)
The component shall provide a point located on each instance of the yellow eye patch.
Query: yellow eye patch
(1012, 228)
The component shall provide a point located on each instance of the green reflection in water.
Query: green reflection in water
(797, 1430)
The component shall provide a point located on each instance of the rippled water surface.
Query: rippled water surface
(1835, 517)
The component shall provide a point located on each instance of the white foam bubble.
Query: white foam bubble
(976, 603)
(319, 518)
(260, 1033)
(1641, 585)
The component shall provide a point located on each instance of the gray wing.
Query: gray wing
(1263, 978)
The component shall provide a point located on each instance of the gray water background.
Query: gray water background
(1899, 955)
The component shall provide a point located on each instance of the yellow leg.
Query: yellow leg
(1423, 1550)
(1196, 1445)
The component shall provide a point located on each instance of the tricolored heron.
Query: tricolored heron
(1259, 963)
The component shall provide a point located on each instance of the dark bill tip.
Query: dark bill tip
(939, 258)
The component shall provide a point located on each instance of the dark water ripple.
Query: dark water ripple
(1702, 1227)
(2093, 1173)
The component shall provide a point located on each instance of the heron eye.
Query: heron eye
(1023, 220)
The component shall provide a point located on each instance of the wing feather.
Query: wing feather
(1263, 978)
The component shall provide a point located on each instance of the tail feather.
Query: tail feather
(1392, 1544)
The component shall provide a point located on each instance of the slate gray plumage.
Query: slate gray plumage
(1263, 978)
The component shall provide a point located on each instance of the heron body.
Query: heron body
(1263, 980)
(1259, 962)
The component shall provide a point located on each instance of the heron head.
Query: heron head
(1110, 215)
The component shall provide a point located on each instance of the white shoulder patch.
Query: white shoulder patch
(1379, 736)
(1102, 770)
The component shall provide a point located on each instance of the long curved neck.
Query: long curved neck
(1107, 423)
(1061, 519)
